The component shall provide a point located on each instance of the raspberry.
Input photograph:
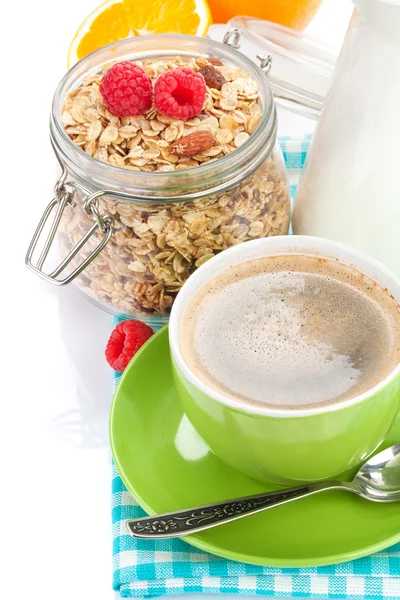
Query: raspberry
(127, 90)
(180, 93)
(125, 341)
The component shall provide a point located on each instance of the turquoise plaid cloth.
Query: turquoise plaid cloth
(148, 568)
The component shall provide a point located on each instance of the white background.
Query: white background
(55, 536)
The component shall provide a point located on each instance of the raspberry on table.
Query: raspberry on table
(180, 93)
(125, 340)
(127, 90)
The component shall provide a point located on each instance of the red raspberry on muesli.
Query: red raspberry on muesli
(127, 90)
(180, 93)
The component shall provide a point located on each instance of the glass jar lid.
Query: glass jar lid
(301, 69)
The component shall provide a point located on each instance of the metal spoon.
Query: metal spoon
(377, 480)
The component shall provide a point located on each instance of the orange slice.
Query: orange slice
(114, 20)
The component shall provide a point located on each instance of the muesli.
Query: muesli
(156, 247)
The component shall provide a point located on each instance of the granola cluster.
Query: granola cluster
(155, 247)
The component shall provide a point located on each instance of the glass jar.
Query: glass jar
(131, 238)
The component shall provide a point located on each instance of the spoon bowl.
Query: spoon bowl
(379, 478)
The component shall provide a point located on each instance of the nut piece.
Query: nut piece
(213, 78)
(192, 144)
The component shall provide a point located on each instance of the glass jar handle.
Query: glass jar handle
(64, 195)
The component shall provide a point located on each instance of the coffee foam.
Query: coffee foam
(292, 331)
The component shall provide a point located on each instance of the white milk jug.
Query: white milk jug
(350, 189)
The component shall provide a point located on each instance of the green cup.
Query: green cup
(286, 446)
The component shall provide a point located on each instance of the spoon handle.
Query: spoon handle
(191, 520)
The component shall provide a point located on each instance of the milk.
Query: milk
(350, 190)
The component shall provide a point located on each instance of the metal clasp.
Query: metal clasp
(64, 195)
(232, 37)
(265, 62)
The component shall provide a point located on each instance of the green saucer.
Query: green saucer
(167, 466)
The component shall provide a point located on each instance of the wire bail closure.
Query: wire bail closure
(265, 62)
(64, 195)
(232, 38)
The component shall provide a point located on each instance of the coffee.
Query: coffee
(291, 332)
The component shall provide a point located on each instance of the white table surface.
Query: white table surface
(55, 502)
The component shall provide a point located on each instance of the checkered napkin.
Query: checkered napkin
(148, 568)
